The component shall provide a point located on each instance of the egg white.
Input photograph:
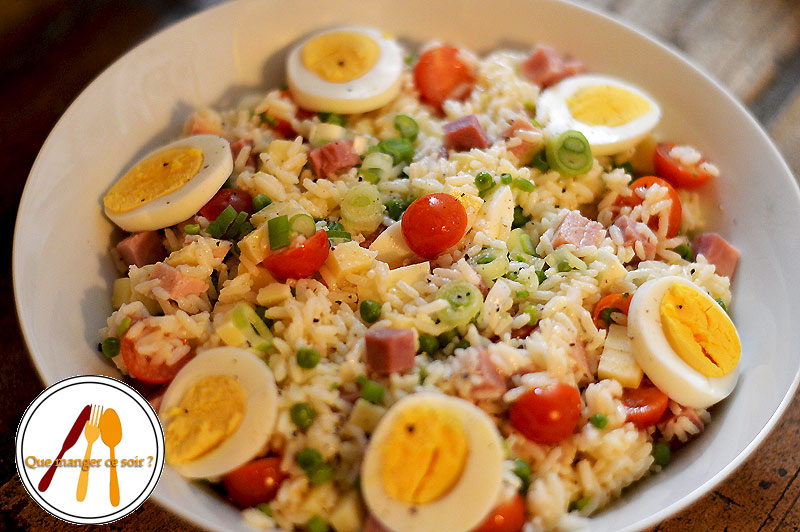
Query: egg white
(377, 87)
(659, 361)
(553, 112)
(471, 498)
(261, 408)
(183, 203)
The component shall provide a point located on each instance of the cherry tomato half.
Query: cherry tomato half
(548, 414)
(440, 75)
(677, 173)
(621, 302)
(434, 223)
(645, 404)
(675, 212)
(509, 516)
(238, 199)
(254, 482)
(143, 368)
(300, 260)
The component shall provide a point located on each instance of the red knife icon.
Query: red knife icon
(69, 441)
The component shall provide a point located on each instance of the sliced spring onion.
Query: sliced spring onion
(371, 391)
(344, 235)
(541, 276)
(245, 230)
(722, 304)
(123, 326)
(236, 226)
(407, 127)
(522, 294)
(505, 179)
(317, 524)
(661, 454)
(569, 153)
(571, 262)
(191, 229)
(484, 181)
(520, 242)
(332, 118)
(218, 227)
(533, 315)
(490, 264)
(376, 167)
(253, 328)
(685, 251)
(333, 225)
(401, 150)
(446, 337)
(278, 229)
(523, 184)
(362, 210)
(465, 301)
(523, 470)
(303, 224)
(563, 266)
(529, 278)
(260, 201)
(540, 162)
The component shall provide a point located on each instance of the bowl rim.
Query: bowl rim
(655, 518)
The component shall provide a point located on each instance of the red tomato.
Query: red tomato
(300, 260)
(507, 517)
(440, 75)
(645, 404)
(254, 482)
(239, 199)
(141, 367)
(677, 173)
(434, 223)
(675, 213)
(547, 415)
(621, 302)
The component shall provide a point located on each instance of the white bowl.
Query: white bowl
(62, 271)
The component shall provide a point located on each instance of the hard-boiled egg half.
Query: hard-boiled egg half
(170, 184)
(218, 412)
(435, 462)
(684, 341)
(345, 70)
(613, 115)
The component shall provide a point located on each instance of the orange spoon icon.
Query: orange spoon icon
(111, 434)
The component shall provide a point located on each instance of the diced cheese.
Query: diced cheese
(348, 515)
(228, 332)
(121, 292)
(410, 274)
(497, 214)
(366, 415)
(391, 246)
(613, 271)
(347, 258)
(616, 361)
(273, 294)
(255, 246)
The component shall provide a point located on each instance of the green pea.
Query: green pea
(395, 208)
(428, 344)
(446, 337)
(307, 357)
(260, 201)
(371, 391)
(320, 474)
(661, 454)
(370, 310)
(308, 458)
(191, 229)
(317, 524)
(523, 470)
(484, 181)
(599, 420)
(302, 415)
(110, 346)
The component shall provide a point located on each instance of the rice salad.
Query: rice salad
(423, 291)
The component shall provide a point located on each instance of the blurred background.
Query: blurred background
(51, 49)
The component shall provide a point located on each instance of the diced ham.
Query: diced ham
(718, 252)
(390, 350)
(373, 525)
(579, 355)
(633, 231)
(488, 381)
(546, 67)
(527, 149)
(142, 248)
(177, 284)
(578, 230)
(333, 158)
(238, 146)
(465, 133)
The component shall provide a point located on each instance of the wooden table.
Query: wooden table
(50, 49)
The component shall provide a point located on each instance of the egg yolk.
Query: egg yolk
(699, 331)
(154, 177)
(423, 455)
(207, 415)
(606, 105)
(340, 56)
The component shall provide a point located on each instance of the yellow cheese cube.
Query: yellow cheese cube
(348, 515)
(347, 258)
(273, 294)
(616, 361)
(121, 292)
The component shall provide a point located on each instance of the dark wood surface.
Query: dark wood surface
(51, 49)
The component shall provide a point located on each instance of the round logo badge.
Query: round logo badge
(90, 449)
